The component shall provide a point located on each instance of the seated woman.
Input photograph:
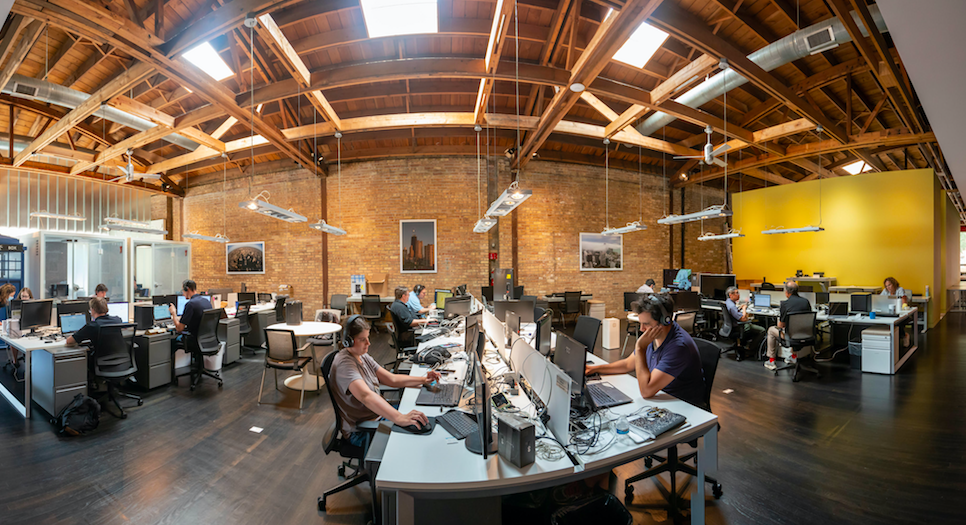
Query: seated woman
(26, 294)
(891, 287)
(355, 378)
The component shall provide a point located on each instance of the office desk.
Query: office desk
(57, 350)
(306, 381)
(822, 282)
(418, 472)
(855, 289)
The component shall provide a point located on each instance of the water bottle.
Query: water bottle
(623, 428)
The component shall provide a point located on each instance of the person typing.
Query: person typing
(99, 317)
(355, 378)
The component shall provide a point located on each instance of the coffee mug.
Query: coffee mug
(871, 315)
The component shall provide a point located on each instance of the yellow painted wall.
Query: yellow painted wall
(876, 225)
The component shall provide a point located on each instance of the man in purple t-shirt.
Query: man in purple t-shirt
(665, 357)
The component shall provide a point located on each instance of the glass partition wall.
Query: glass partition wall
(66, 266)
(159, 267)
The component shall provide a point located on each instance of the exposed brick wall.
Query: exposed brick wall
(700, 256)
(376, 195)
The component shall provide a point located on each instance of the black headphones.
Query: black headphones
(346, 338)
(665, 318)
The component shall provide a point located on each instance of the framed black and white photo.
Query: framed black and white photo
(245, 258)
(601, 252)
(417, 246)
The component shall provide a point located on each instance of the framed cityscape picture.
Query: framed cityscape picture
(245, 257)
(601, 252)
(417, 246)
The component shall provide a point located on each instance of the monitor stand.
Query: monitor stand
(473, 444)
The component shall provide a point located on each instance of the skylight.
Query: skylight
(399, 17)
(641, 46)
(207, 59)
(857, 167)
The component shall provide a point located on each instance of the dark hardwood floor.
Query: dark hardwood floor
(846, 448)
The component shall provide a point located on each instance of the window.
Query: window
(641, 46)
(208, 60)
(857, 167)
(400, 17)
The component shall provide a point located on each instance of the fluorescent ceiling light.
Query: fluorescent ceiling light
(399, 17)
(327, 228)
(711, 212)
(217, 238)
(708, 236)
(125, 222)
(208, 60)
(263, 207)
(137, 229)
(484, 225)
(857, 167)
(48, 215)
(793, 230)
(508, 201)
(641, 46)
(635, 226)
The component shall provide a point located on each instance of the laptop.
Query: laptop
(70, 323)
(762, 301)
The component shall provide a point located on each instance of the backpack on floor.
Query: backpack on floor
(82, 415)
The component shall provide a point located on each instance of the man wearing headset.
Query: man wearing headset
(665, 357)
(415, 301)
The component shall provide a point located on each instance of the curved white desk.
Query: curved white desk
(307, 329)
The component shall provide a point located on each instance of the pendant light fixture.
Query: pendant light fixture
(635, 226)
(118, 224)
(731, 234)
(485, 223)
(322, 226)
(218, 237)
(811, 228)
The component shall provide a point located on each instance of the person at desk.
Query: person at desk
(25, 294)
(99, 317)
(406, 317)
(100, 291)
(793, 303)
(7, 292)
(415, 301)
(355, 377)
(190, 318)
(665, 356)
(647, 287)
(891, 287)
(740, 314)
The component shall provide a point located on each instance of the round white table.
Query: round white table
(307, 381)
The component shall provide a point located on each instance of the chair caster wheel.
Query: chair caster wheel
(123, 416)
(341, 471)
(629, 492)
(140, 402)
(322, 504)
(717, 491)
(648, 462)
(220, 384)
(192, 388)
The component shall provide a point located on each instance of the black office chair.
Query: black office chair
(686, 321)
(538, 312)
(114, 361)
(372, 310)
(571, 306)
(404, 336)
(333, 442)
(799, 333)
(586, 331)
(402, 353)
(204, 344)
(339, 302)
(244, 326)
(487, 293)
(729, 334)
(673, 464)
(282, 353)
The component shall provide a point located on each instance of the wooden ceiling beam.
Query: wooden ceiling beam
(631, 133)
(218, 22)
(69, 44)
(494, 50)
(18, 53)
(134, 141)
(85, 109)
(685, 27)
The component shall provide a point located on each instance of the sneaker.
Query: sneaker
(791, 360)
(770, 364)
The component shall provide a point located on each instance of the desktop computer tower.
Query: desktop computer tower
(144, 316)
(293, 313)
(516, 440)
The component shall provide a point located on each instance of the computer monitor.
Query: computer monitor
(542, 336)
(74, 307)
(861, 303)
(459, 290)
(686, 301)
(457, 306)
(165, 299)
(247, 296)
(482, 442)
(470, 333)
(822, 297)
(630, 297)
(13, 308)
(523, 308)
(512, 326)
(571, 357)
(34, 314)
(182, 300)
(441, 297)
(669, 275)
(144, 316)
(487, 293)
(838, 308)
(70, 323)
(763, 300)
(713, 286)
(682, 280)
(121, 310)
(161, 312)
(264, 297)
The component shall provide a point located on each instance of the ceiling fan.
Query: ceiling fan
(129, 171)
(710, 152)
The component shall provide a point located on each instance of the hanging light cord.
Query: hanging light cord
(251, 139)
(606, 185)
(479, 206)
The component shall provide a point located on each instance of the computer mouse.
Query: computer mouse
(412, 429)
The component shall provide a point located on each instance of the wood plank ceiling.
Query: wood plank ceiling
(314, 72)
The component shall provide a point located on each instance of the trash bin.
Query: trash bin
(603, 509)
(855, 355)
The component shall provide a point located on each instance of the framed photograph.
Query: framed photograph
(417, 246)
(601, 252)
(245, 257)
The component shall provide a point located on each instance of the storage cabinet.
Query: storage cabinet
(58, 377)
(153, 358)
(228, 334)
(878, 351)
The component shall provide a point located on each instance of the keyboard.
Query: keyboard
(606, 396)
(444, 395)
(458, 424)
